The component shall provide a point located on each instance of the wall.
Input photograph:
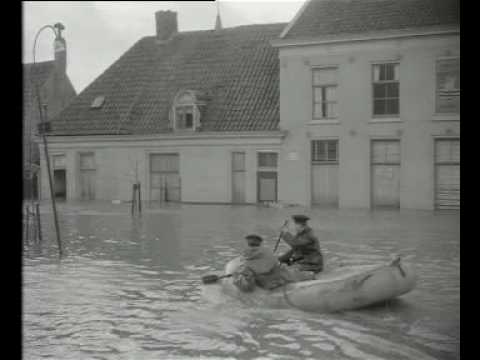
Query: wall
(355, 127)
(205, 165)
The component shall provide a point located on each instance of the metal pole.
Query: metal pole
(45, 147)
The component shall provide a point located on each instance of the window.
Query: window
(58, 161)
(186, 111)
(98, 102)
(267, 160)
(325, 93)
(87, 161)
(386, 89)
(448, 86)
(325, 151)
(184, 117)
(385, 152)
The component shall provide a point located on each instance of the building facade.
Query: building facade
(323, 111)
(372, 111)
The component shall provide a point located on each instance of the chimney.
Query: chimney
(166, 22)
(60, 48)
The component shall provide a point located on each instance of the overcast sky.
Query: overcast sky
(98, 33)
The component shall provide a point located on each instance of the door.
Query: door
(385, 173)
(267, 176)
(59, 177)
(238, 177)
(325, 172)
(87, 176)
(165, 185)
(267, 186)
(447, 174)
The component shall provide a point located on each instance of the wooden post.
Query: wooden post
(139, 198)
(27, 224)
(39, 223)
(133, 199)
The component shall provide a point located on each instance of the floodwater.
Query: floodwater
(129, 288)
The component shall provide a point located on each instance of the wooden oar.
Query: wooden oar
(211, 279)
(279, 237)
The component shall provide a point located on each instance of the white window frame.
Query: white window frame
(385, 117)
(324, 86)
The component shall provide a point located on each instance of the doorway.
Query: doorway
(60, 184)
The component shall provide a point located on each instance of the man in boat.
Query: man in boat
(260, 267)
(305, 252)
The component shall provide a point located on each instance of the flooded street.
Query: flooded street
(130, 288)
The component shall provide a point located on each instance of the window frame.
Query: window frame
(267, 168)
(386, 115)
(437, 61)
(326, 147)
(176, 108)
(193, 103)
(83, 153)
(323, 87)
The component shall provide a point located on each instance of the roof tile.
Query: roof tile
(334, 17)
(236, 67)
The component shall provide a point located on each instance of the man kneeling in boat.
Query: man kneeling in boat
(260, 267)
(305, 252)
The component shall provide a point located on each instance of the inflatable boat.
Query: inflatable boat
(340, 289)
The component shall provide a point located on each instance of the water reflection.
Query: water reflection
(129, 288)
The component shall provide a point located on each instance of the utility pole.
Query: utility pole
(44, 128)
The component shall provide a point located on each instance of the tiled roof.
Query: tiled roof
(236, 69)
(328, 17)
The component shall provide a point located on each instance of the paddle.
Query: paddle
(211, 279)
(279, 237)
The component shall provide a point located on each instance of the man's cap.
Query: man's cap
(300, 219)
(254, 237)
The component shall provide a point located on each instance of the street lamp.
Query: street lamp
(57, 30)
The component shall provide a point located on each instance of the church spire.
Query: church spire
(218, 22)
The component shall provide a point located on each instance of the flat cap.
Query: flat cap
(254, 237)
(300, 219)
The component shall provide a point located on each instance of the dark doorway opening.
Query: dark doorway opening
(60, 184)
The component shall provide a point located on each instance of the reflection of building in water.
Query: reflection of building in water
(352, 104)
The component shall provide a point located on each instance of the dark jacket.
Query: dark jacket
(305, 250)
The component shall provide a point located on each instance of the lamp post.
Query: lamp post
(57, 28)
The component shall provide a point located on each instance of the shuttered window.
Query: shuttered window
(447, 151)
(448, 86)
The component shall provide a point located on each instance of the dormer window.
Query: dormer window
(185, 114)
(184, 117)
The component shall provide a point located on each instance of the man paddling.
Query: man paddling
(259, 267)
(305, 251)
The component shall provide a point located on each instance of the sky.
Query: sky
(99, 32)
